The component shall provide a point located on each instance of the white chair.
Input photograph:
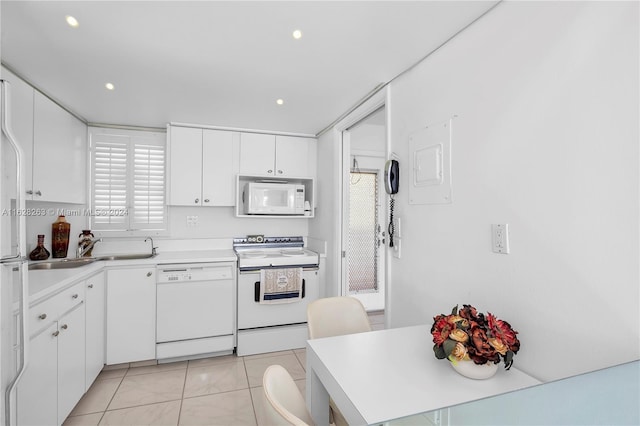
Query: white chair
(336, 316)
(284, 403)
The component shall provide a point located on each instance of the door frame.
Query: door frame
(375, 102)
(372, 163)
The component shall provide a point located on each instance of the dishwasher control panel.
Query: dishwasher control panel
(194, 272)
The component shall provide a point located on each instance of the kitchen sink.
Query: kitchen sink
(62, 263)
(75, 263)
(126, 256)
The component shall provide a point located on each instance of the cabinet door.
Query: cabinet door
(131, 314)
(185, 181)
(59, 154)
(37, 402)
(21, 118)
(220, 165)
(292, 156)
(71, 360)
(257, 154)
(95, 314)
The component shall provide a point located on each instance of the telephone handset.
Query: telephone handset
(391, 183)
(391, 176)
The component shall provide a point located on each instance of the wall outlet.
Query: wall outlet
(500, 238)
(192, 221)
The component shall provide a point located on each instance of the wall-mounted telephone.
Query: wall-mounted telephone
(391, 176)
(391, 183)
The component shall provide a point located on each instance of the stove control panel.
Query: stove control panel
(260, 241)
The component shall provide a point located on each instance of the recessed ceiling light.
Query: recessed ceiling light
(280, 101)
(297, 34)
(73, 22)
(109, 86)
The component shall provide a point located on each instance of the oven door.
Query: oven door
(252, 314)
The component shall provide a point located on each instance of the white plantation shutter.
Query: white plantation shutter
(128, 180)
(148, 186)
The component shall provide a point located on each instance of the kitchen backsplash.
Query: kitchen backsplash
(212, 227)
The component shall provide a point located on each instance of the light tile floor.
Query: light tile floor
(224, 390)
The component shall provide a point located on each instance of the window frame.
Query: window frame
(131, 139)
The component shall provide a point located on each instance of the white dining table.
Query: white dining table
(382, 375)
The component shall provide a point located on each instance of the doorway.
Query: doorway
(364, 212)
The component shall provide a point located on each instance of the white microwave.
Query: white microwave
(273, 198)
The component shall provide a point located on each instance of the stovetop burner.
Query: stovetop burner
(273, 252)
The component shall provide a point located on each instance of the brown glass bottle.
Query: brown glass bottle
(60, 237)
(40, 252)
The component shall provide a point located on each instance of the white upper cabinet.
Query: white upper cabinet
(203, 165)
(220, 165)
(59, 154)
(54, 144)
(295, 156)
(257, 154)
(185, 163)
(277, 156)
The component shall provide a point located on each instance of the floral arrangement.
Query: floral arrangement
(466, 334)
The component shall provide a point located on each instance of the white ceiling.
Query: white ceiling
(222, 63)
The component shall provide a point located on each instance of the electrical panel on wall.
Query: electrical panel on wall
(430, 158)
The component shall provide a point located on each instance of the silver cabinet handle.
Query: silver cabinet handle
(197, 200)
(64, 326)
(42, 316)
(38, 192)
(279, 172)
(206, 200)
(75, 296)
(55, 333)
(149, 274)
(30, 192)
(90, 286)
(269, 171)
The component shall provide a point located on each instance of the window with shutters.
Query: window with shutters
(128, 181)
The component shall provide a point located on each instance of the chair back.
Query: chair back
(284, 404)
(335, 316)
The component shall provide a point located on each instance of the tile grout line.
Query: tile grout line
(253, 404)
(184, 386)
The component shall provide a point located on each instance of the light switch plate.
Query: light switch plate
(500, 238)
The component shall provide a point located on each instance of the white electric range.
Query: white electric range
(269, 327)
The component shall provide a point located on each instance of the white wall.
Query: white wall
(546, 140)
(325, 225)
(221, 222)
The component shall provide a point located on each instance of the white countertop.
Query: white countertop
(46, 282)
(388, 374)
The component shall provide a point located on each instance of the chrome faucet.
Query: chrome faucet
(83, 249)
(153, 248)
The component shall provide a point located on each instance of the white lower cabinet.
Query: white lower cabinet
(54, 380)
(37, 396)
(131, 315)
(71, 360)
(96, 324)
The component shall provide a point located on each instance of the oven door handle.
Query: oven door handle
(257, 270)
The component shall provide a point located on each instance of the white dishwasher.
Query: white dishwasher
(195, 313)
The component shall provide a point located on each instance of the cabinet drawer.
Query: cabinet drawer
(48, 311)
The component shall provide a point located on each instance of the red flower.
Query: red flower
(503, 331)
(440, 329)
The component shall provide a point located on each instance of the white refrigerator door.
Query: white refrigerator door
(14, 288)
